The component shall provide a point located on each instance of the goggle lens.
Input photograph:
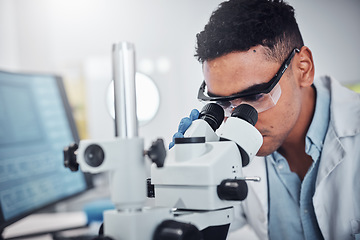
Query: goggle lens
(261, 102)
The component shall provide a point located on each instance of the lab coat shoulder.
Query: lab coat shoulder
(337, 194)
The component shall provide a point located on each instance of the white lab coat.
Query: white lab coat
(337, 193)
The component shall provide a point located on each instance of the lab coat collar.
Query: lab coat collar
(330, 157)
(343, 122)
(345, 115)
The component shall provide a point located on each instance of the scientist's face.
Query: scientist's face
(238, 71)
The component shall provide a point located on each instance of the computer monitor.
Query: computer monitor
(36, 124)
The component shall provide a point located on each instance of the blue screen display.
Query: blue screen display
(34, 129)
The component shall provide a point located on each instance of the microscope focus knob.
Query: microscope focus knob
(70, 157)
(157, 152)
(174, 230)
(94, 155)
(232, 190)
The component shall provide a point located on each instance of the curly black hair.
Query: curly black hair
(238, 25)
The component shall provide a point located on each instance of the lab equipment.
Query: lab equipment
(36, 123)
(195, 186)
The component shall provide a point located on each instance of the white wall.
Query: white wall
(8, 36)
(70, 37)
(331, 28)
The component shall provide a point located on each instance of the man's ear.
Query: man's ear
(305, 66)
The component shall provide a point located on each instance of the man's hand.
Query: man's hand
(184, 125)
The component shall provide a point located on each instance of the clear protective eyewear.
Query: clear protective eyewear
(261, 101)
(262, 96)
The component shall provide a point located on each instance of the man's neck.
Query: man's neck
(299, 162)
(293, 148)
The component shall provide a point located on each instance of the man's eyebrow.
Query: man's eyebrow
(254, 88)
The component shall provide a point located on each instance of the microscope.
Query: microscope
(195, 185)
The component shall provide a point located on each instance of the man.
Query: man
(252, 52)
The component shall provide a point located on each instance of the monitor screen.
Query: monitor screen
(36, 124)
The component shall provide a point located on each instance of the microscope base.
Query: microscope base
(141, 225)
(134, 225)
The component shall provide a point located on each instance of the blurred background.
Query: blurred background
(73, 39)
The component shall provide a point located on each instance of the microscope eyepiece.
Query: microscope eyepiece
(246, 112)
(213, 114)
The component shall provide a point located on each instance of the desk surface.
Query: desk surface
(45, 222)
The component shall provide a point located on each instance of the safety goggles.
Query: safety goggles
(261, 96)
